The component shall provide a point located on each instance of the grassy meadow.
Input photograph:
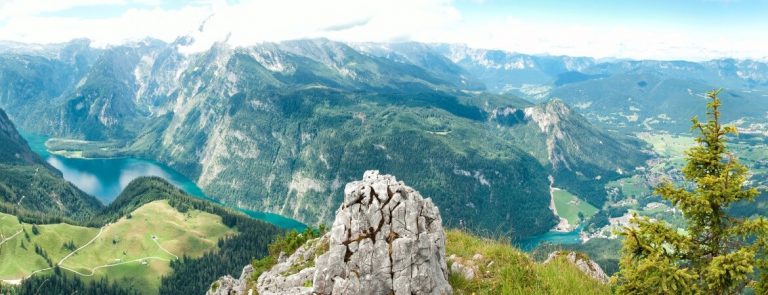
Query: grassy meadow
(135, 250)
(569, 206)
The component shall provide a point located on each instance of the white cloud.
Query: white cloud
(646, 41)
(26, 21)
(346, 20)
(254, 21)
(15, 8)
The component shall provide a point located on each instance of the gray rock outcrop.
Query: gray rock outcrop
(228, 285)
(386, 239)
(583, 263)
(293, 274)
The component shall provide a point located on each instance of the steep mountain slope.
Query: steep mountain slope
(279, 126)
(34, 78)
(291, 153)
(30, 185)
(298, 145)
(14, 149)
(582, 158)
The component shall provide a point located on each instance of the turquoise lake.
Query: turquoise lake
(558, 238)
(106, 178)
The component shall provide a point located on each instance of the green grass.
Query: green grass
(633, 186)
(17, 256)
(569, 206)
(668, 145)
(9, 225)
(126, 240)
(514, 272)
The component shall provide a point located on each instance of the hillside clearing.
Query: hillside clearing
(569, 206)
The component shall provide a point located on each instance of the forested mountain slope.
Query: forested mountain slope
(279, 126)
(30, 186)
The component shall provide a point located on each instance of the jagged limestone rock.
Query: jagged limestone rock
(583, 263)
(386, 239)
(227, 285)
(293, 274)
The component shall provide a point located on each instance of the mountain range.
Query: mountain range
(279, 127)
(504, 144)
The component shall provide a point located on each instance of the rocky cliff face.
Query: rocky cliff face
(386, 239)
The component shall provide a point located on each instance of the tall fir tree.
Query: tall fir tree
(715, 253)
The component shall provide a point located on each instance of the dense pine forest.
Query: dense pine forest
(62, 283)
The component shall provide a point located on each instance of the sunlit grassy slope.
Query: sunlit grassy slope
(513, 272)
(135, 251)
(17, 255)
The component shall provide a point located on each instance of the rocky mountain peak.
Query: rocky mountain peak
(548, 115)
(386, 239)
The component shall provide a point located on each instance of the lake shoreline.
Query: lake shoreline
(105, 178)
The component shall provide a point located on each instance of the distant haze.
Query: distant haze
(653, 29)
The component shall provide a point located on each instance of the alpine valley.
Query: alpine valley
(528, 148)
(279, 127)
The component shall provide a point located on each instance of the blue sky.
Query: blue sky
(704, 13)
(647, 29)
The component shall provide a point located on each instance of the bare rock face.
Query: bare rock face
(584, 264)
(293, 275)
(228, 285)
(386, 239)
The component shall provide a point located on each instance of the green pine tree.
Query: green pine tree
(715, 253)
